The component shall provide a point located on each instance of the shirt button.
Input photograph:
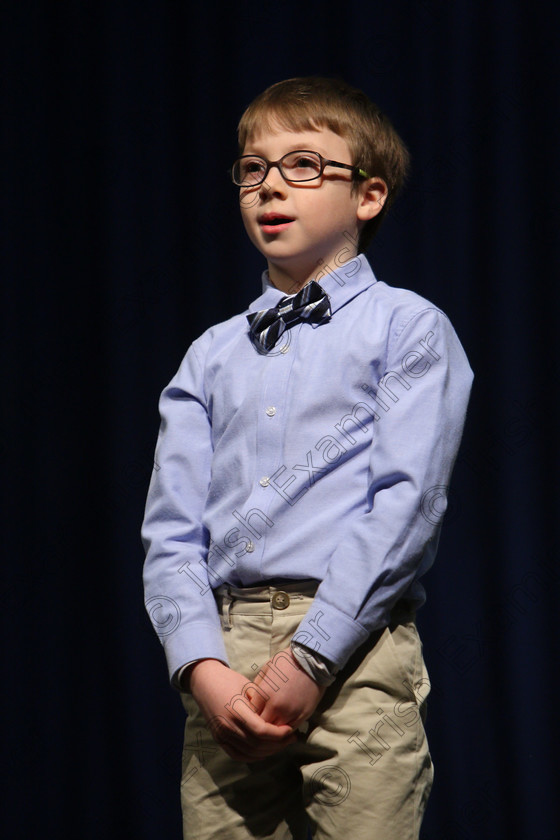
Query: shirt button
(271, 411)
(280, 600)
(265, 481)
(285, 348)
(250, 546)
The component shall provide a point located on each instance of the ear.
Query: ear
(373, 195)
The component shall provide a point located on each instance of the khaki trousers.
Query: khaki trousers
(361, 770)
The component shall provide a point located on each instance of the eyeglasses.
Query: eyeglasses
(298, 166)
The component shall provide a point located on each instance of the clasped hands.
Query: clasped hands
(254, 720)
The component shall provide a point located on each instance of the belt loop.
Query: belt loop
(226, 614)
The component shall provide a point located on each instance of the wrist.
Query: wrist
(190, 675)
(315, 666)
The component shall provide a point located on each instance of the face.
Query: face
(315, 215)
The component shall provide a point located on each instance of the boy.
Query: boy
(304, 449)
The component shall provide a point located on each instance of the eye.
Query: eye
(254, 166)
(302, 165)
(307, 162)
(251, 169)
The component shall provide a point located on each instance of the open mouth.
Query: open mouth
(273, 222)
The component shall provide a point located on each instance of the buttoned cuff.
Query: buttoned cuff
(330, 633)
(189, 644)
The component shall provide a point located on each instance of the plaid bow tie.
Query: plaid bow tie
(311, 304)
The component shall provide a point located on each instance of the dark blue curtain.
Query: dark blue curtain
(121, 243)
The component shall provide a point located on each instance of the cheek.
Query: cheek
(249, 219)
(249, 226)
(248, 199)
(248, 213)
(345, 211)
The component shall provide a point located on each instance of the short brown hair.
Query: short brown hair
(314, 102)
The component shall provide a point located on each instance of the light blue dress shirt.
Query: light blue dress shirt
(326, 458)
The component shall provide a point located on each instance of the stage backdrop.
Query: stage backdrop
(121, 243)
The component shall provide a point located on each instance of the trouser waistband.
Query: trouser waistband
(281, 596)
(255, 599)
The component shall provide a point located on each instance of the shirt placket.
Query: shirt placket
(272, 411)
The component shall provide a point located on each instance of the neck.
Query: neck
(286, 282)
(291, 282)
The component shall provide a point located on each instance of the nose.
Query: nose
(274, 182)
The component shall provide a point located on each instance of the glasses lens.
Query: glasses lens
(248, 171)
(301, 166)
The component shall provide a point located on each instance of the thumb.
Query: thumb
(256, 698)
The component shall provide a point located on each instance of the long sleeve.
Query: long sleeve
(177, 589)
(419, 407)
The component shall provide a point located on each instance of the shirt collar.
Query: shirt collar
(341, 284)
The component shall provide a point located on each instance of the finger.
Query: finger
(256, 699)
(254, 725)
(240, 735)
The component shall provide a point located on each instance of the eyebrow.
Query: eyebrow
(296, 147)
